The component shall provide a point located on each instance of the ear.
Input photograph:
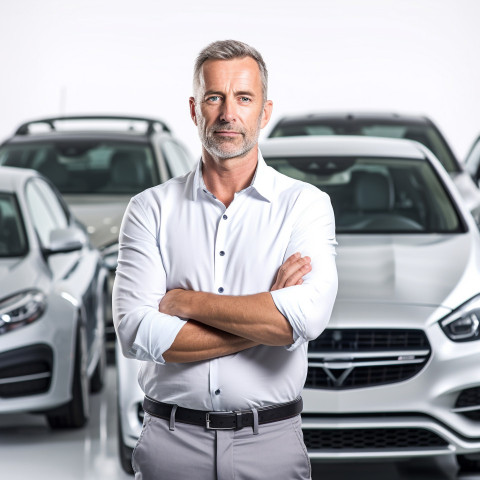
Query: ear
(193, 113)
(267, 113)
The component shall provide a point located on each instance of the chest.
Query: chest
(239, 249)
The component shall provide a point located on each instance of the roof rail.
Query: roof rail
(24, 129)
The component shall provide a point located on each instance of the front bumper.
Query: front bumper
(36, 361)
(130, 398)
(381, 437)
(419, 416)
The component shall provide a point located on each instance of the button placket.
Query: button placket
(220, 253)
(214, 384)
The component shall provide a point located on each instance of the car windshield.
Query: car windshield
(426, 134)
(12, 234)
(87, 167)
(378, 195)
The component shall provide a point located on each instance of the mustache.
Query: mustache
(225, 127)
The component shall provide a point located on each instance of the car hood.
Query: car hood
(429, 270)
(101, 215)
(17, 274)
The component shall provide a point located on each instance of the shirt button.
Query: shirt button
(217, 391)
(225, 217)
(222, 253)
(220, 290)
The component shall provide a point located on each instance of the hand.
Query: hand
(171, 302)
(292, 272)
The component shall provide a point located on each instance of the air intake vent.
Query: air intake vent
(371, 439)
(468, 404)
(25, 371)
(368, 340)
(356, 358)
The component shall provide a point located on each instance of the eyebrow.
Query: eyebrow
(241, 92)
(213, 92)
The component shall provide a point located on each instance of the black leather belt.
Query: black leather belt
(224, 420)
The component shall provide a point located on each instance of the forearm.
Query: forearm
(196, 342)
(253, 317)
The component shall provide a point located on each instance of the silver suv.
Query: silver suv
(98, 163)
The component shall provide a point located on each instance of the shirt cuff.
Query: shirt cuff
(284, 300)
(155, 335)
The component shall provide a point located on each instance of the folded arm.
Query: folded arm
(202, 341)
(195, 342)
(253, 318)
(146, 333)
(291, 313)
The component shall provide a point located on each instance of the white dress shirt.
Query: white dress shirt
(178, 235)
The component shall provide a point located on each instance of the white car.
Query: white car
(396, 373)
(53, 290)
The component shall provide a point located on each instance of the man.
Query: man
(199, 295)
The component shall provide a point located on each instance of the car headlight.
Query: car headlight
(110, 256)
(21, 309)
(463, 325)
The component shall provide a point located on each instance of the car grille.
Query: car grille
(355, 358)
(468, 404)
(371, 438)
(25, 371)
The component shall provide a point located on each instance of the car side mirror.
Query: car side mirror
(65, 240)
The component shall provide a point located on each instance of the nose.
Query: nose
(228, 111)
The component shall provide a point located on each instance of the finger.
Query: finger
(291, 265)
(284, 271)
(291, 271)
(298, 275)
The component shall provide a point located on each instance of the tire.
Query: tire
(469, 463)
(97, 381)
(124, 451)
(75, 413)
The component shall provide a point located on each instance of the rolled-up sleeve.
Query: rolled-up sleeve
(308, 306)
(140, 283)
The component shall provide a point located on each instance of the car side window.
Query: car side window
(45, 208)
(178, 160)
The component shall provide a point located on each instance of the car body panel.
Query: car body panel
(101, 214)
(400, 282)
(402, 269)
(71, 282)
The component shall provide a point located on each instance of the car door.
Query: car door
(74, 270)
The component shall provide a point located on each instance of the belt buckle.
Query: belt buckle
(238, 421)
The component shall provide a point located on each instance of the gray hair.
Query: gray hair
(228, 50)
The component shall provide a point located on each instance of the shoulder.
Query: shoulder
(172, 191)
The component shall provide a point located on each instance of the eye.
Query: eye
(245, 99)
(213, 98)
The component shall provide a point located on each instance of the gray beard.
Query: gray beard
(215, 147)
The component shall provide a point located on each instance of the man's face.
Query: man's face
(229, 109)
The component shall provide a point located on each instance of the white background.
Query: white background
(136, 57)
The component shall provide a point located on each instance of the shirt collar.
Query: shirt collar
(263, 181)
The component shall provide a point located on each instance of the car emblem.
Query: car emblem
(340, 375)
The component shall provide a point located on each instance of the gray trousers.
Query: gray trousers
(191, 452)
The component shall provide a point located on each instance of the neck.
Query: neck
(225, 177)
